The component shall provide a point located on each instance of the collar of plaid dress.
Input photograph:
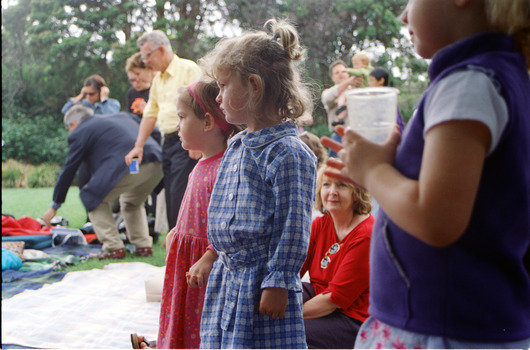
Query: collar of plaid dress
(217, 115)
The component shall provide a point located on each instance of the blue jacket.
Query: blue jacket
(476, 289)
(101, 141)
(107, 106)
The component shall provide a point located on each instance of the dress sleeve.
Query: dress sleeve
(293, 181)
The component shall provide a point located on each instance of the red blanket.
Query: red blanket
(24, 226)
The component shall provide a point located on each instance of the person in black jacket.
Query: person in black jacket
(140, 77)
(101, 142)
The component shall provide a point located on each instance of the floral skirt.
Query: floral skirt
(181, 307)
(375, 334)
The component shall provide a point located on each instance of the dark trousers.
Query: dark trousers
(176, 165)
(333, 331)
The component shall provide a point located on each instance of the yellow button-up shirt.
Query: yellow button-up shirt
(163, 93)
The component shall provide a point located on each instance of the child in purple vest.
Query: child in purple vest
(446, 263)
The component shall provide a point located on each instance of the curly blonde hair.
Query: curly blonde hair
(362, 204)
(135, 61)
(270, 58)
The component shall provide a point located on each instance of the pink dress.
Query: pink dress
(181, 308)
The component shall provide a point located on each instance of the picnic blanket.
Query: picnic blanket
(42, 267)
(96, 309)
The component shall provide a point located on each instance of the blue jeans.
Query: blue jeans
(334, 137)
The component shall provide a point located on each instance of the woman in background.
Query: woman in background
(140, 77)
(94, 94)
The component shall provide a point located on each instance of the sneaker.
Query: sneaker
(147, 251)
(112, 254)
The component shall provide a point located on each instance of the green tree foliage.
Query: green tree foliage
(338, 29)
(34, 141)
(50, 46)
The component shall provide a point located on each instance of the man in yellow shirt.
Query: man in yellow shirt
(174, 72)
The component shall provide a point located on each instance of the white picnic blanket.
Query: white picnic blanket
(96, 309)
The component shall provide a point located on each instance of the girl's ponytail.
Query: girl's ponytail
(288, 37)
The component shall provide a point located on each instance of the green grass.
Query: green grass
(33, 202)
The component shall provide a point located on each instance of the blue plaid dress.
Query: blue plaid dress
(259, 222)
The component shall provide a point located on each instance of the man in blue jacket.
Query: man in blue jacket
(101, 142)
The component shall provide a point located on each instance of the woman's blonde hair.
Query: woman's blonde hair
(270, 58)
(362, 203)
(511, 17)
(135, 61)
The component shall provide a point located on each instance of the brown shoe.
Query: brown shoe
(112, 254)
(147, 251)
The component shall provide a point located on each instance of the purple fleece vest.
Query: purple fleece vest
(476, 289)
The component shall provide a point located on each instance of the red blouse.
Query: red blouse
(347, 274)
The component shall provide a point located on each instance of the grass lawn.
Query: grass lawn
(33, 202)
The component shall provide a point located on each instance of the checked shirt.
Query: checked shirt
(259, 222)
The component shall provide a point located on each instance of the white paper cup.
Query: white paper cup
(372, 111)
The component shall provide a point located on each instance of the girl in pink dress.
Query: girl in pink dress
(202, 128)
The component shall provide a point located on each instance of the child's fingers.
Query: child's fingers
(279, 314)
(340, 129)
(339, 176)
(270, 312)
(192, 280)
(329, 143)
(394, 137)
(334, 163)
(349, 136)
(339, 165)
(200, 281)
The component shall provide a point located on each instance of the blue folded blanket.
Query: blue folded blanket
(32, 241)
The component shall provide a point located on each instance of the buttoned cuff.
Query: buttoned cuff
(285, 280)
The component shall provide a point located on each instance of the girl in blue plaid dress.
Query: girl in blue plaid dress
(260, 210)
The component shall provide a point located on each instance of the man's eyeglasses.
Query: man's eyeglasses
(327, 259)
(147, 55)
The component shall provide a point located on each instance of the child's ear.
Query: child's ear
(255, 83)
(209, 122)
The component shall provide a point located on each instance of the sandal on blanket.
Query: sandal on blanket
(139, 342)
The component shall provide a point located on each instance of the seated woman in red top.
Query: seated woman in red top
(336, 300)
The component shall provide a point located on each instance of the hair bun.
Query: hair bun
(288, 36)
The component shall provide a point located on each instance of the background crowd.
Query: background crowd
(371, 282)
